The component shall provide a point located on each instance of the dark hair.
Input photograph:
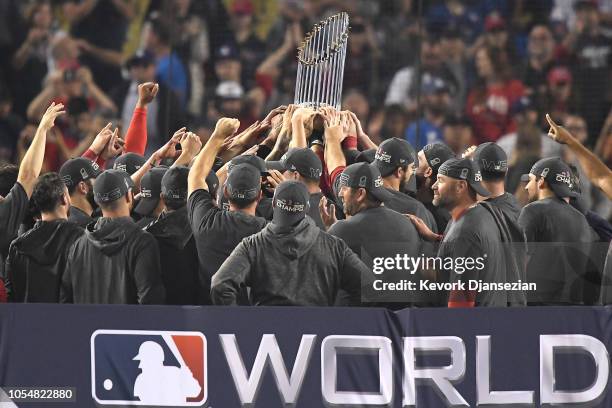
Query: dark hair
(77, 105)
(8, 178)
(370, 200)
(112, 206)
(161, 30)
(492, 175)
(242, 203)
(174, 204)
(48, 192)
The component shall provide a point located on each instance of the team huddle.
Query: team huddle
(296, 209)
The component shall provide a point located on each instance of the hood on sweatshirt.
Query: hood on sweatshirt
(109, 235)
(172, 228)
(295, 241)
(47, 239)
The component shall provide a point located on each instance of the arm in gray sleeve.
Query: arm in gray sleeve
(147, 272)
(232, 273)
(354, 275)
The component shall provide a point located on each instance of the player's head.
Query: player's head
(361, 187)
(8, 178)
(549, 177)
(78, 175)
(430, 158)
(458, 182)
(113, 191)
(395, 159)
(50, 195)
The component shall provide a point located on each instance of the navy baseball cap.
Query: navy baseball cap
(367, 176)
(174, 183)
(303, 160)
(290, 203)
(437, 153)
(254, 161)
(150, 189)
(490, 157)
(227, 52)
(129, 162)
(393, 153)
(111, 185)
(78, 169)
(243, 183)
(464, 169)
(557, 174)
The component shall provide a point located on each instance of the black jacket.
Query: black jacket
(113, 262)
(79, 217)
(179, 258)
(301, 266)
(37, 261)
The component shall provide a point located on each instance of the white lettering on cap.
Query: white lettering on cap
(383, 156)
(478, 176)
(378, 182)
(288, 205)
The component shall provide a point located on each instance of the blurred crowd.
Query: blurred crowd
(459, 71)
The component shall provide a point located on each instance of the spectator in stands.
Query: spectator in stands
(216, 231)
(540, 54)
(11, 125)
(454, 53)
(177, 249)
(591, 45)
(497, 36)
(114, 261)
(437, 105)
(361, 66)
(31, 59)
(250, 48)
(37, 259)
(17, 190)
(169, 69)
(558, 235)
(272, 261)
(489, 104)
(457, 133)
(455, 13)
(100, 28)
(560, 101)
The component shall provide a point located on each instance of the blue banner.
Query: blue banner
(304, 357)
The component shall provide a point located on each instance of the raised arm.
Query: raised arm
(30, 166)
(204, 161)
(334, 156)
(136, 135)
(597, 172)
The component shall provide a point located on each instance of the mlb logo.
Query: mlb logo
(159, 368)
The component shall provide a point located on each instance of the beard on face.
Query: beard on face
(90, 195)
(446, 201)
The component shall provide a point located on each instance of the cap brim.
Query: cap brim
(479, 188)
(146, 205)
(525, 178)
(275, 165)
(562, 190)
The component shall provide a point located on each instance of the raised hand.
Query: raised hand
(267, 122)
(275, 178)
(146, 93)
(114, 147)
(101, 139)
(48, 119)
(327, 212)
(191, 143)
(225, 128)
(558, 133)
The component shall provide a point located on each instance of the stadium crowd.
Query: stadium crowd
(151, 154)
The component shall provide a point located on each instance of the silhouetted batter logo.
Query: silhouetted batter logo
(160, 368)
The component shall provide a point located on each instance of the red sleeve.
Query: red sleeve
(265, 82)
(89, 154)
(350, 143)
(3, 295)
(335, 173)
(136, 135)
(462, 298)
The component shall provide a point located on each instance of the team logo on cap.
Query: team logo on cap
(382, 156)
(378, 182)
(121, 167)
(545, 172)
(344, 179)
(67, 180)
(315, 173)
(153, 368)
(464, 173)
(478, 176)
(288, 205)
(95, 166)
(144, 192)
(564, 177)
(434, 161)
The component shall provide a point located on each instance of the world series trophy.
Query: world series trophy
(321, 59)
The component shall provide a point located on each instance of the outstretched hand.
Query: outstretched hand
(114, 146)
(225, 128)
(558, 133)
(146, 93)
(327, 212)
(48, 119)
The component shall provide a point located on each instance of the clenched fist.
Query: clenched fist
(146, 93)
(225, 128)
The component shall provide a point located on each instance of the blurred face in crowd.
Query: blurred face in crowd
(394, 125)
(74, 87)
(497, 38)
(452, 47)
(588, 16)
(83, 122)
(242, 21)
(577, 127)
(143, 73)
(438, 103)
(358, 39)
(457, 137)
(430, 53)
(357, 103)
(65, 49)
(182, 6)
(231, 108)
(541, 43)
(484, 66)
(445, 191)
(42, 17)
(560, 90)
(228, 70)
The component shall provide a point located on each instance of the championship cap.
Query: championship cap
(111, 185)
(78, 169)
(150, 189)
(464, 169)
(393, 153)
(290, 203)
(491, 158)
(436, 154)
(367, 176)
(129, 162)
(302, 160)
(243, 183)
(556, 173)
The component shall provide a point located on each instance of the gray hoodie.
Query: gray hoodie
(113, 262)
(300, 266)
